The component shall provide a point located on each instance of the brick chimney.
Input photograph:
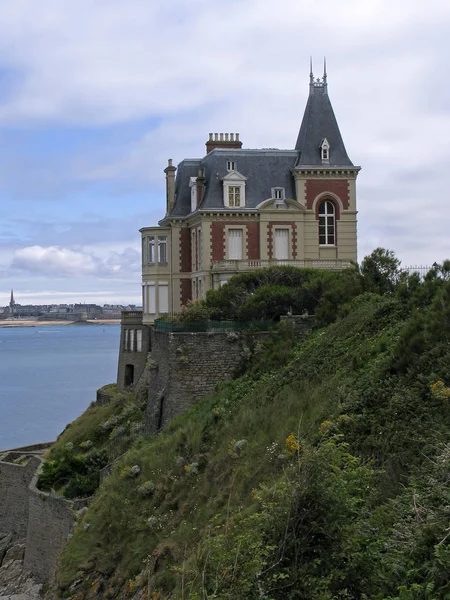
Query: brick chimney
(170, 186)
(223, 140)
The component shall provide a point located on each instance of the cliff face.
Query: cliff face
(15, 582)
(320, 473)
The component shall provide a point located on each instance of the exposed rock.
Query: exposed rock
(15, 584)
(16, 552)
(5, 540)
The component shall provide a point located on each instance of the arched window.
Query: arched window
(327, 224)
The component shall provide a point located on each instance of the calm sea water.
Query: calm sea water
(49, 376)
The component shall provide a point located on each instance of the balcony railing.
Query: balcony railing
(131, 317)
(249, 265)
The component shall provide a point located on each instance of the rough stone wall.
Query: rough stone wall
(14, 482)
(187, 366)
(50, 519)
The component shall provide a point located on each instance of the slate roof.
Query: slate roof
(318, 123)
(266, 168)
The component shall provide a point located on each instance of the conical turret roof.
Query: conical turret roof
(319, 123)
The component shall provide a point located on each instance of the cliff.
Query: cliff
(320, 473)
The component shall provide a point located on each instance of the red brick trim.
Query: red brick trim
(217, 240)
(253, 241)
(185, 250)
(185, 291)
(339, 187)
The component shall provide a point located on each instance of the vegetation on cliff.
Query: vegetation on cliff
(321, 473)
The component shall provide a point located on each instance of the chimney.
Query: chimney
(223, 140)
(170, 186)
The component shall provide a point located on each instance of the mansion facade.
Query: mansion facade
(237, 209)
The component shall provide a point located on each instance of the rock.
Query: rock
(16, 552)
(10, 571)
(5, 541)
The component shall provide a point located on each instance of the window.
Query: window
(235, 244)
(327, 233)
(231, 165)
(234, 196)
(281, 244)
(151, 299)
(131, 347)
(151, 249)
(325, 151)
(163, 298)
(278, 193)
(139, 340)
(162, 249)
(200, 249)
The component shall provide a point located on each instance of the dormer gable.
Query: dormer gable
(325, 151)
(234, 189)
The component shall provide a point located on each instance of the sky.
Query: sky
(96, 96)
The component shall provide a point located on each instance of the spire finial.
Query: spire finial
(325, 85)
(311, 75)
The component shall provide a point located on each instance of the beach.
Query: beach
(37, 323)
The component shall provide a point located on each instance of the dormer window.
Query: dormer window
(325, 151)
(193, 186)
(234, 196)
(234, 190)
(231, 165)
(278, 193)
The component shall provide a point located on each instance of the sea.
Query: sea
(49, 375)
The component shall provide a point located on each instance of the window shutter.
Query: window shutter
(282, 244)
(151, 299)
(163, 298)
(235, 244)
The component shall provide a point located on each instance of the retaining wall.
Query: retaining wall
(187, 366)
(14, 482)
(50, 520)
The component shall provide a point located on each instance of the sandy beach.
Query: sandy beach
(36, 323)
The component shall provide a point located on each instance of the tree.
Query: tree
(380, 271)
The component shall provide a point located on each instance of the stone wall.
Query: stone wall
(187, 366)
(132, 359)
(14, 482)
(50, 520)
(43, 519)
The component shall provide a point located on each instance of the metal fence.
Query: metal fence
(422, 270)
(173, 326)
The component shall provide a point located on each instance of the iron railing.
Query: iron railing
(173, 326)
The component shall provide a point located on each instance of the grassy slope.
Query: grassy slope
(352, 505)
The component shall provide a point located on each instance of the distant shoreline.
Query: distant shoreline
(36, 323)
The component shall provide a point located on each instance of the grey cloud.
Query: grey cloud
(54, 261)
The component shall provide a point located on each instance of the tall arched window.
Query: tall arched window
(327, 224)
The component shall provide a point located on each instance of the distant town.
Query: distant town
(63, 312)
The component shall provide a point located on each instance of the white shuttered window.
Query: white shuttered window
(235, 244)
(163, 298)
(151, 299)
(139, 340)
(282, 244)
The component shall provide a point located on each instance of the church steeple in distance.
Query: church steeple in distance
(12, 302)
(318, 124)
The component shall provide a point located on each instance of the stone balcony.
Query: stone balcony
(239, 266)
(131, 317)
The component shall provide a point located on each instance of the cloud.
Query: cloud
(63, 262)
